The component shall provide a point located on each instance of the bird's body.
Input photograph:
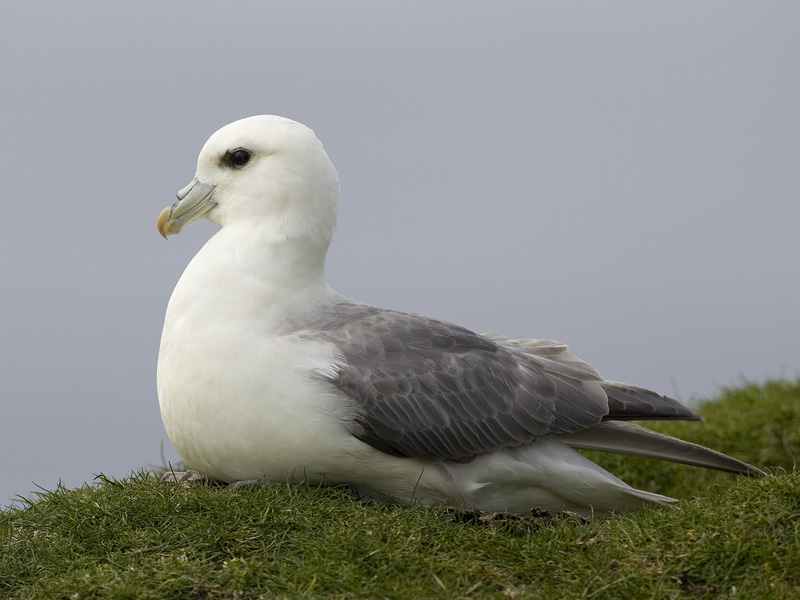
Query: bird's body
(266, 373)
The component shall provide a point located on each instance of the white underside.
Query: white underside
(240, 401)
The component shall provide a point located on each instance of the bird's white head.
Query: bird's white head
(267, 172)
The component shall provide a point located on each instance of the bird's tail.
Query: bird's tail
(621, 437)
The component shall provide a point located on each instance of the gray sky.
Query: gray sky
(620, 176)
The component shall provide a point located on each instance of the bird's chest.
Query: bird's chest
(239, 401)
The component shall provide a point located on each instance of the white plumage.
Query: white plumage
(266, 373)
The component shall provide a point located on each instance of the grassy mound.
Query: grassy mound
(138, 538)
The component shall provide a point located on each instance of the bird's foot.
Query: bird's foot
(181, 477)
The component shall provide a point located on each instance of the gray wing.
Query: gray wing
(625, 402)
(431, 389)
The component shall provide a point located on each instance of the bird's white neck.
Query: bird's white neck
(246, 268)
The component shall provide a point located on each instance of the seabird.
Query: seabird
(265, 373)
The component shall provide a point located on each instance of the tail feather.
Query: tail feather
(628, 438)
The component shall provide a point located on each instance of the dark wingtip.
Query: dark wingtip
(631, 403)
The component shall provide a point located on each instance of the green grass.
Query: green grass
(138, 538)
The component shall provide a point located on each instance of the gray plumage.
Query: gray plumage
(430, 389)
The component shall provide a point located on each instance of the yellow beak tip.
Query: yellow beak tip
(165, 223)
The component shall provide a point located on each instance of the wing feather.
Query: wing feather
(431, 389)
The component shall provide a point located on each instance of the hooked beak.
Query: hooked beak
(194, 201)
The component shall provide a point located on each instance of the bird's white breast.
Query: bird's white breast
(238, 399)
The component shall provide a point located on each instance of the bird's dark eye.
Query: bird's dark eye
(240, 157)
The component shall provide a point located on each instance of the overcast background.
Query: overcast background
(621, 176)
